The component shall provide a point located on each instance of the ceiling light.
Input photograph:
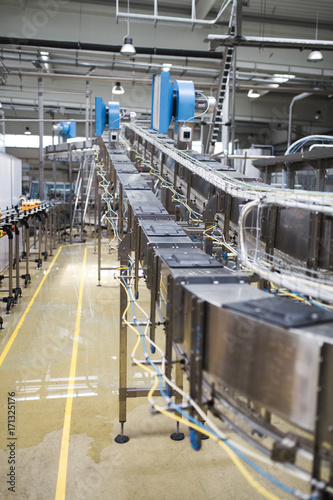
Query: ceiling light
(118, 89)
(166, 67)
(128, 48)
(27, 131)
(253, 94)
(282, 78)
(315, 56)
(45, 56)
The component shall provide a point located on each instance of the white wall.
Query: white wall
(10, 191)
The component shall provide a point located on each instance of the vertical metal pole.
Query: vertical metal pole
(87, 108)
(95, 209)
(27, 247)
(122, 353)
(70, 197)
(120, 211)
(17, 256)
(41, 135)
(35, 232)
(50, 217)
(84, 194)
(45, 235)
(54, 177)
(90, 115)
(55, 215)
(40, 228)
(179, 383)
(10, 265)
(99, 236)
(233, 101)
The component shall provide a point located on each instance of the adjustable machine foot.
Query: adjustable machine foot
(177, 436)
(26, 278)
(9, 301)
(121, 438)
(39, 263)
(17, 293)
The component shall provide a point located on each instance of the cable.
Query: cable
(219, 240)
(201, 114)
(117, 120)
(106, 196)
(293, 147)
(167, 185)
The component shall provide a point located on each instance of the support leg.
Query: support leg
(121, 438)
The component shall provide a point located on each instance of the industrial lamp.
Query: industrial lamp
(315, 56)
(27, 131)
(253, 94)
(118, 89)
(128, 48)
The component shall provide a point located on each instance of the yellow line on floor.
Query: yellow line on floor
(20, 323)
(62, 471)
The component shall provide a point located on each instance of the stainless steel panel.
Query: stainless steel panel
(325, 420)
(132, 181)
(276, 368)
(292, 233)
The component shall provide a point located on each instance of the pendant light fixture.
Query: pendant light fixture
(118, 88)
(128, 48)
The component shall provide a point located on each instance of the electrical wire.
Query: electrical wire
(219, 240)
(300, 142)
(200, 114)
(167, 185)
(106, 196)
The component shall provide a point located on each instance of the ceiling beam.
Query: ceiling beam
(272, 42)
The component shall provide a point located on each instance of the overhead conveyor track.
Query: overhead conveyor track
(235, 189)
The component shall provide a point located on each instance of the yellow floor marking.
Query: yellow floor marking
(62, 471)
(20, 323)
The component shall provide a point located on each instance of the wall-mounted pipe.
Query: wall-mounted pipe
(296, 98)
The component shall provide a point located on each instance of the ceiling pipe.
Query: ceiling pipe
(37, 74)
(97, 47)
(110, 66)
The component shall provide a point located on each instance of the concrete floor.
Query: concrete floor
(37, 369)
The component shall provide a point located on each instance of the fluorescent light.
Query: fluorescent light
(128, 48)
(45, 56)
(282, 78)
(253, 94)
(166, 67)
(118, 89)
(315, 56)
